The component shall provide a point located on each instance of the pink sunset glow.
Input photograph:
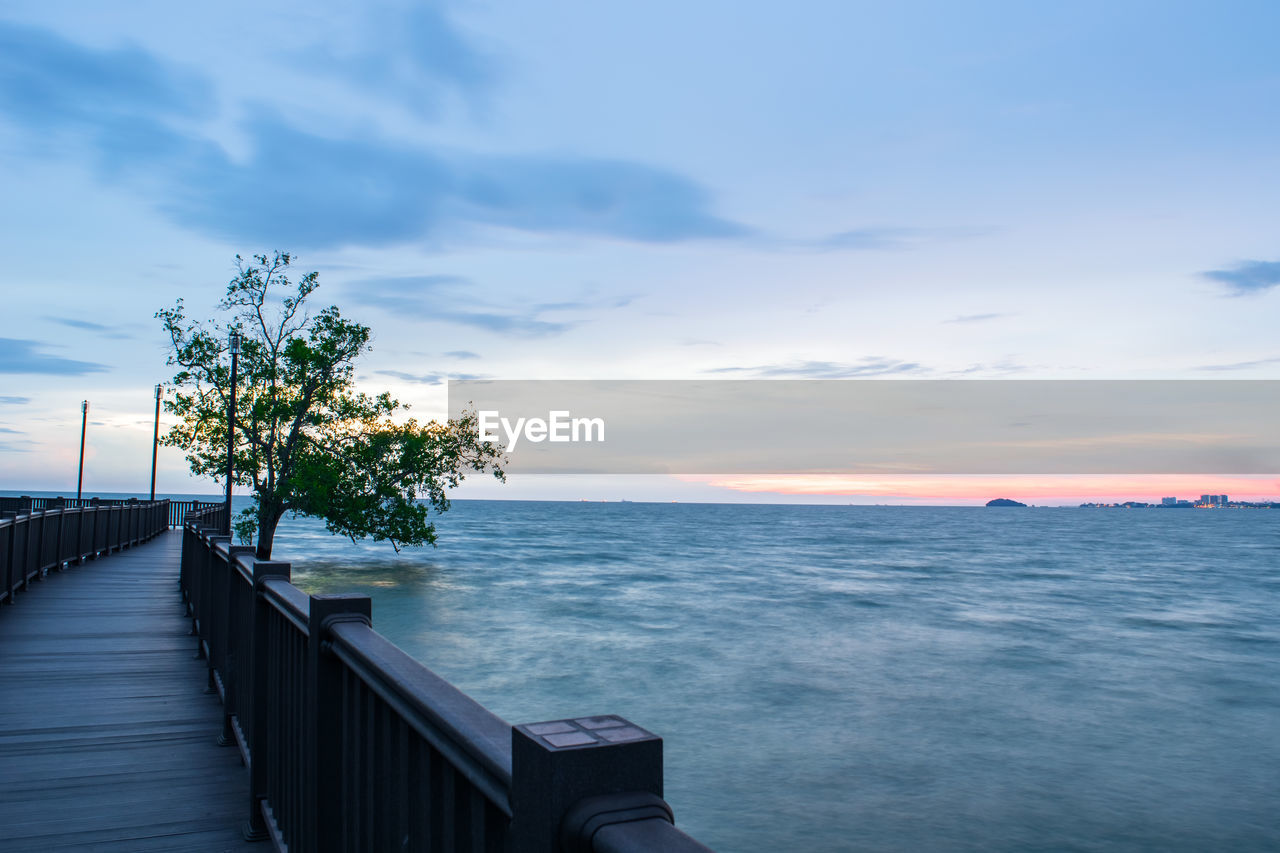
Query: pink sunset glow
(1062, 489)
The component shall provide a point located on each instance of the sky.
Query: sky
(651, 190)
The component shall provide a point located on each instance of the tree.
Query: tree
(306, 440)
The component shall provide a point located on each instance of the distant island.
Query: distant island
(1004, 502)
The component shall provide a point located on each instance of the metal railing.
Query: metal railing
(34, 542)
(25, 504)
(352, 745)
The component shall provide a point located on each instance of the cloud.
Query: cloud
(1247, 277)
(891, 238)
(18, 355)
(8, 431)
(461, 354)
(431, 378)
(47, 81)
(101, 329)
(976, 318)
(304, 189)
(448, 299)
(417, 56)
(14, 401)
(311, 190)
(1005, 365)
(451, 299)
(1240, 365)
(869, 366)
(588, 196)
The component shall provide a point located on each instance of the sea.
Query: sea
(855, 678)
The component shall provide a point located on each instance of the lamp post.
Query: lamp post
(155, 441)
(84, 422)
(231, 425)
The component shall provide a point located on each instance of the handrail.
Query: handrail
(475, 741)
(644, 836)
(291, 601)
(351, 744)
(26, 504)
(34, 542)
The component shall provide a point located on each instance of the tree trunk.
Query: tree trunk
(268, 518)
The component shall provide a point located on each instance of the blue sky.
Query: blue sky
(656, 190)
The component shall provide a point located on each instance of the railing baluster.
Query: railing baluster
(324, 676)
(260, 653)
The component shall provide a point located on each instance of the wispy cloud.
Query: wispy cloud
(430, 378)
(416, 55)
(870, 366)
(47, 81)
(18, 355)
(461, 354)
(1003, 366)
(314, 190)
(14, 401)
(100, 329)
(1240, 365)
(976, 318)
(891, 238)
(410, 293)
(450, 299)
(322, 191)
(1247, 277)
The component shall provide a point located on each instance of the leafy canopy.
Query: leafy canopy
(307, 441)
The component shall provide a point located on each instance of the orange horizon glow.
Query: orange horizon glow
(1108, 488)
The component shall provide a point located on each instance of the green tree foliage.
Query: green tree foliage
(306, 440)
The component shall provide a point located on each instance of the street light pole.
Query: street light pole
(231, 425)
(155, 441)
(84, 422)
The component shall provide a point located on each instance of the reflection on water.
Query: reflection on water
(832, 678)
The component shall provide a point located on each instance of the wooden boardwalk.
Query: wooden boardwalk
(107, 738)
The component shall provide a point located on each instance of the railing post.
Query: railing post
(324, 715)
(35, 543)
(229, 637)
(602, 765)
(190, 548)
(22, 566)
(255, 829)
(60, 542)
(79, 549)
(10, 548)
(85, 543)
(206, 605)
(64, 547)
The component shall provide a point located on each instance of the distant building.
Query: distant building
(1168, 502)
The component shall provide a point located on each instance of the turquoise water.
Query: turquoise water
(873, 678)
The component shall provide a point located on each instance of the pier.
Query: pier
(162, 689)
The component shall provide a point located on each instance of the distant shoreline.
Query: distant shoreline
(214, 498)
(1185, 505)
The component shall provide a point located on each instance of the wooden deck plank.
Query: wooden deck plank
(107, 738)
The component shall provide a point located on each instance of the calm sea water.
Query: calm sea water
(866, 678)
